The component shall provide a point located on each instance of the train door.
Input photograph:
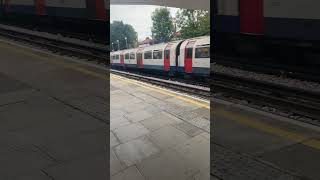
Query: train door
(40, 7)
(122, 59)
(139, 60)
(188, 57)
(251, 16)
(96, 9)
(166, 58)
(5, 5)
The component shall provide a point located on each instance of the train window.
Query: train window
(157, 54)
(148, 55)
(189, 53)
(127, 56)
(167, 54)
(202, 52)
(117, 56)
(132, 56)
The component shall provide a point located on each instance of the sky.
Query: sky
(138, 16)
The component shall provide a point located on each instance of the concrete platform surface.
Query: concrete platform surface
(54, 119)
(249, 144)
(157, 134)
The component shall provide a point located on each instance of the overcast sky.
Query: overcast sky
(139, 16)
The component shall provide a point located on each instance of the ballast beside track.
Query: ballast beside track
(270, 66)
(297, 101)
(199, 91)
(65, 47)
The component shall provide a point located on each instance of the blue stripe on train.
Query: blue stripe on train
(173, 69)
(52, 11)
(22, 9)
(230, 24)
(196, 70)
(302, 29)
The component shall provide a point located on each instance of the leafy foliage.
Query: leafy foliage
(162, 25)
(193, 23)
(120, 31)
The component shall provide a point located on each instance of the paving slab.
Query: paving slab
(115, 165)
(168, 137)
(54, 117)
(160, 120)
(251, 144)
(130, 132)
(154, 134)
(131, 173)
(168, 165)
(135, 151)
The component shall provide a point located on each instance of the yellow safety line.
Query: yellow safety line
(165, 92)
(55, 61)
(295, 137)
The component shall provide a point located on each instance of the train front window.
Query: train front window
(157, 54)
(127, 56)
(148, 55)
(117, 57)
(189, 53)
(202, 52)
(132, 56)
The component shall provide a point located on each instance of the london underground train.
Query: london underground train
(190, 56)
(285, 28)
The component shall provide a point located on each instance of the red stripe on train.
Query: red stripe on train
(101, 10)
(7, 5)
(251, 16)
(40, 6)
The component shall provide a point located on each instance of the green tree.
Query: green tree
(162, 25)
(120, 31)
(193, 23)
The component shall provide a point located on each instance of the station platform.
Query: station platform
(157, 134)
(54, 119)
(252, 144)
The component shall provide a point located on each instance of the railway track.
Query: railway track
(287, 99)
(296, 101)
(91, 53)
(101, 55)
(203, 92)
(269, 66)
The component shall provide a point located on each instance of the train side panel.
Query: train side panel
(153, 57)
(192, 59)
(20, 6)
(227, 18)
(115, 59)
(70, 8)
(294, 19)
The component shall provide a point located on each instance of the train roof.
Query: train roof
(201, 40)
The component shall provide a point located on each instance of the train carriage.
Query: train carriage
(88, 17)
(130, 60)
(191, 56)
(161, 57)
(267, 27)
(115, 59)
(153, 57)
(195, 56)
